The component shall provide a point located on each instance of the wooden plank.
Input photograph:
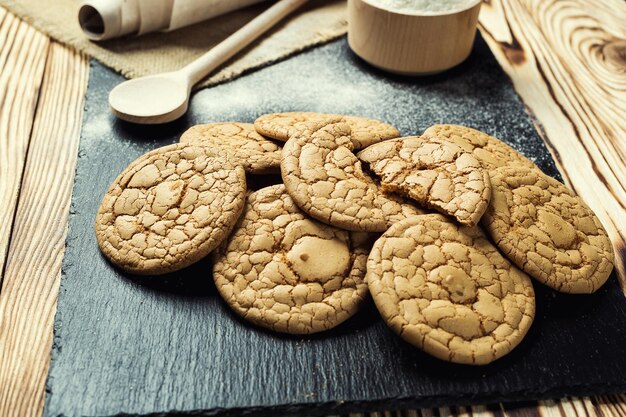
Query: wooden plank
(22, 58)
(31, 281)
(610, 406)
(567, 61)
(598, 406)
(556, 408)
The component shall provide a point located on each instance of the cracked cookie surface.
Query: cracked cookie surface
(169, 208)
(433, 172)
(241, 142)
(548, 231)
(364, 131)
(287, 272)
(326, 181)
(447, 290)
(491, 152)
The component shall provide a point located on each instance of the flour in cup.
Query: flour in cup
(422, 7)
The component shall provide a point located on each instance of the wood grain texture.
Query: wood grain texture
(599, 406)
(567, 61)
(22, 57)
(610, 405)
(31, 280)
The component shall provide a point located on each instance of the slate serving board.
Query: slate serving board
(160, 346)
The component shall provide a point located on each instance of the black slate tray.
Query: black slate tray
(158, 346)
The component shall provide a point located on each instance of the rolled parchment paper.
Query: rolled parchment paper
(106, 19)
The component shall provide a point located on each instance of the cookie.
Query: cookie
(326, 181)
(169, 208)
(434, 172)
(491, 152)
(241, 142)
(281, 126)
(548, 231)
(447, 290)
(286, 272)
(365, 131)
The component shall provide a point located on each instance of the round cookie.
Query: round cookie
(169, 208)
(281, 126)
(365, 131)
(491, 152)
(548, 231)
(326, 181)
(241, 142)
(286, 272)
(447, 290)
(434, 172)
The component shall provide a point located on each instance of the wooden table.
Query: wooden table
(567, 60)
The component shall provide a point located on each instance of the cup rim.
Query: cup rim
(471, 5)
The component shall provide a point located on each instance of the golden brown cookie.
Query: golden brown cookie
(241, 142)
(491, 152)
(548, 231)
(281, 126)
(326, 181)
(169, 209)
(433, 172)
(289, 273)
(364, 131)
(447, 290)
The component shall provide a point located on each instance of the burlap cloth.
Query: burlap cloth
(319, 21)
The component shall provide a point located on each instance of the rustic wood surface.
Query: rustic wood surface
(23, 53)
(567, 60)
(33, 264)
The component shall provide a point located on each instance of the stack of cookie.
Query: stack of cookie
(465, 219)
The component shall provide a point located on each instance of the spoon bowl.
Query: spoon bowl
(149, 100)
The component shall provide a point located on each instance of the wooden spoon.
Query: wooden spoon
(164, 97)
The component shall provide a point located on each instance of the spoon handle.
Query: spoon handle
(219, 54)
